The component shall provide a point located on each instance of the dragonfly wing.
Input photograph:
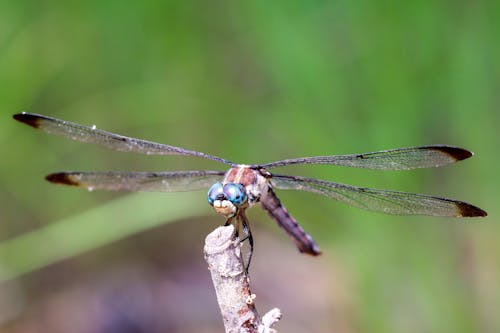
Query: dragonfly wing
(90, 134)
(389, 202)
(394, 159)
(176, 181)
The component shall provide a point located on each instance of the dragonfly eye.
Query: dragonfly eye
(214, 192)
(235, 193)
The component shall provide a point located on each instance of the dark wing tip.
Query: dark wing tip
(28, 118)
(62, 178)
(455, 152)
(467, 210)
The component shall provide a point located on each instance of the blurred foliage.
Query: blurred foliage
(254, 82)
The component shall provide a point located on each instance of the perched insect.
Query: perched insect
(242, 186)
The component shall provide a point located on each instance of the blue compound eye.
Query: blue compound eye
(235, 193)
(215, 191)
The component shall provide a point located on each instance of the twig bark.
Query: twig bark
(223, 255)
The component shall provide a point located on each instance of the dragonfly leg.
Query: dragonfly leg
(248, 235)
(229, 221)
(236, 226)
(242, 221)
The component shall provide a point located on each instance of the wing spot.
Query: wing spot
(62, 178)
(28, 119)
(454, 152)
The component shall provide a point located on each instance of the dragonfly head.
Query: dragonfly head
(227, 198)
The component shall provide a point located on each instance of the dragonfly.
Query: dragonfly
(231, 192)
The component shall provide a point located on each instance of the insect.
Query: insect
(242, 186)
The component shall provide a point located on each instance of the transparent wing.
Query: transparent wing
(394, 159)
(389, 202)
(90, 134)
(176, 181)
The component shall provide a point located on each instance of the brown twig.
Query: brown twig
(223, 255)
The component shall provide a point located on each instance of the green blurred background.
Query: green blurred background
(252, 82)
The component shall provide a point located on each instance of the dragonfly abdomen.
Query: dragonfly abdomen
(278, 212)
